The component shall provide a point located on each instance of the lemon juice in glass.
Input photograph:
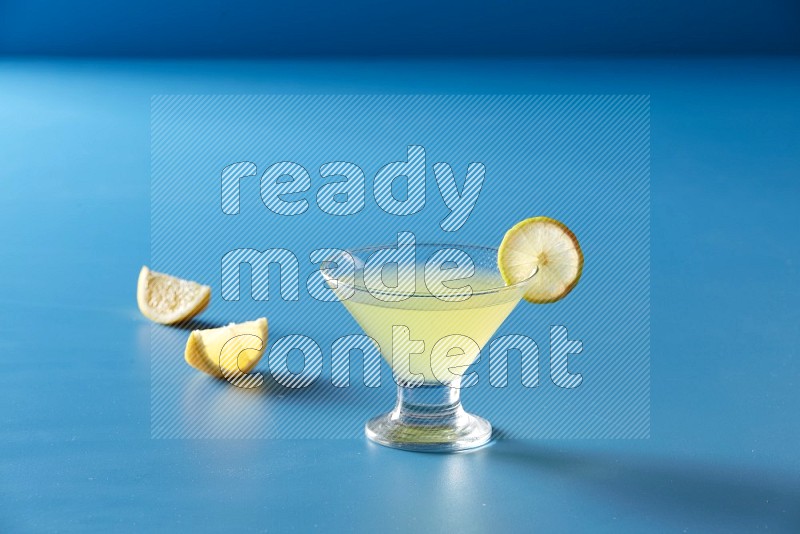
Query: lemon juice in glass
(430, 327)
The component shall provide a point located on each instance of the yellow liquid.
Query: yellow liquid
(429, 319)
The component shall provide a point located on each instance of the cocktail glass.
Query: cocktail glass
(465, 313)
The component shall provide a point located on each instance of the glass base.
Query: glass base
(429, 419)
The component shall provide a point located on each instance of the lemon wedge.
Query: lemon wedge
(166, 299)
(228, 351)
(550, 247)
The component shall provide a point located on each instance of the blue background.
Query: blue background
(245, 28)
(75, 447)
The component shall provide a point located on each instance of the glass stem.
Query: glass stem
(427, 405)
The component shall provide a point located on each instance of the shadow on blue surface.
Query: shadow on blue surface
(720, 495)
(199, 324)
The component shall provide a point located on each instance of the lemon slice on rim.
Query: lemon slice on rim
(547, 245)
(229, 351)
(166, 299)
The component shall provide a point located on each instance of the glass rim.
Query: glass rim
(491, 291)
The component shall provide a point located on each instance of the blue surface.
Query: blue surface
(417, 28)
(75, 447)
